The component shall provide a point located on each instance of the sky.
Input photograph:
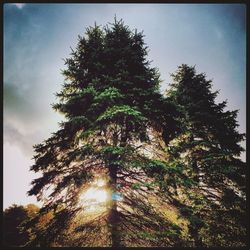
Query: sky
(37, 37)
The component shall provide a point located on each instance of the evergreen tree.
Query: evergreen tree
(117, 122)
(210, 182)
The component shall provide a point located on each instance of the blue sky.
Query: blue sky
(38, 36)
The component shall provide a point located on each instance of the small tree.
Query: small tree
(114, 114)
(14, 219)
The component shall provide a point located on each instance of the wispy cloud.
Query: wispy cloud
(23, 141)
(19, 5)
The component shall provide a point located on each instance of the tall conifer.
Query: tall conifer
(113, 108)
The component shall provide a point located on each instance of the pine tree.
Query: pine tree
(116, 123)
(210, 182)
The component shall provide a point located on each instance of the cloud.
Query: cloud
(17, 177)
(19, 5)
(21, 107)
(24, 142)
(14, 98)
(26, 120)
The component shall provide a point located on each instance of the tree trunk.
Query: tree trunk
(113, 218)
(197, 238)
(114, 223)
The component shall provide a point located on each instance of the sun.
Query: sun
(95, 196)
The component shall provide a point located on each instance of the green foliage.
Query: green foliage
(136, 186)
(108, 95)
(116, 113)
(112, 151)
